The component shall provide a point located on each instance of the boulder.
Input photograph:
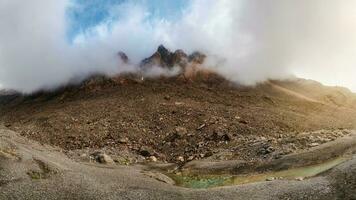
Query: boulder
(146, 151)
(103, 158)
(153, 159)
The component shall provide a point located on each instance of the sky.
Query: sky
(85, 14)
(48, 43)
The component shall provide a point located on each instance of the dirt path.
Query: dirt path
(294, 94)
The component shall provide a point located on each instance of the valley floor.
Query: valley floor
(29, 170)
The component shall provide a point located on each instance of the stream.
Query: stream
(210, 181)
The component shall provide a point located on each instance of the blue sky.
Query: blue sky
(88, 13)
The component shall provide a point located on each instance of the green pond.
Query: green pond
(209, 181)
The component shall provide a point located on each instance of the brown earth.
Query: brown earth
(29, 170)
(178, 120)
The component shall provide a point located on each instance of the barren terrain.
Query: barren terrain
(179, 120)
(132, 138)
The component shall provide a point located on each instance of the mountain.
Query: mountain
(174, 117)
(133, 136)
(7, 96)
(165, 58)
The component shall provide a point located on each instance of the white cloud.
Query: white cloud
(256, 40)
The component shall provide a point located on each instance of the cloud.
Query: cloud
(34, 51)
(248, 41)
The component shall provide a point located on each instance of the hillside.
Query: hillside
(138, 136)
(178, 120)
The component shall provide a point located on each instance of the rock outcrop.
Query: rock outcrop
(123, 57)
(167, 59)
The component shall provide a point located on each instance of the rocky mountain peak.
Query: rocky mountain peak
(123, 57)
(197, 57)
(164, 52)
(163, 57)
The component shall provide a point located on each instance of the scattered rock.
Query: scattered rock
(241, 121)
(181, 131)
(178, 103)
(263, 138)
(190, 158)
(123, 140)
(201, 127)
(124, 161)
(315, 144)
(300, 179)
(227, 137)
(265, 149)
(278, 155)
(221, 136)
(167, 97)
(271, 179)
(200, 144)
(153, 159)
(209, 154)
(268, 99)
(146, 151)
(180, 159)
(8, 155)
(103, 158)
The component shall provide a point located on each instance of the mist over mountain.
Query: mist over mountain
(247, 41)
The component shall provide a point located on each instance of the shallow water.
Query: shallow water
(210, 181)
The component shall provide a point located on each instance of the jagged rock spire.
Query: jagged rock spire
(123, 57)
(163, 57)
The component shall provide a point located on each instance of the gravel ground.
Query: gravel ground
(29, 170)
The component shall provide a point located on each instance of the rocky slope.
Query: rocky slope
(195, 120)
(180, 119)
